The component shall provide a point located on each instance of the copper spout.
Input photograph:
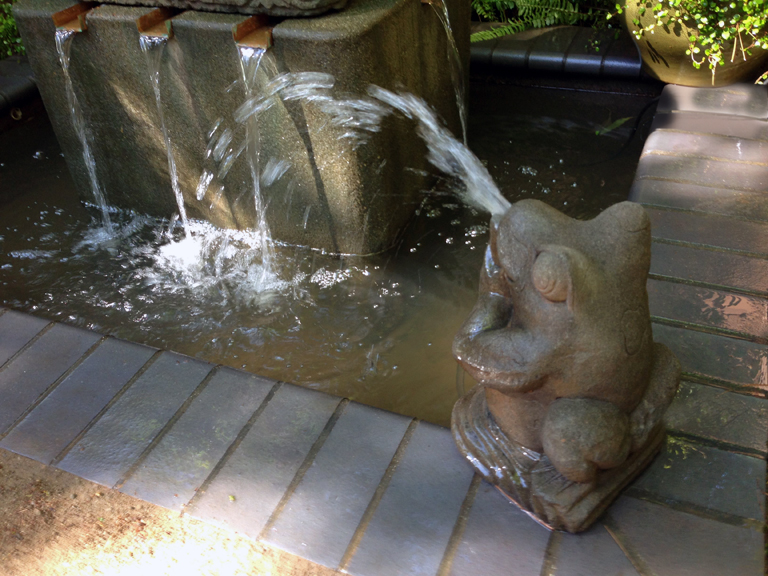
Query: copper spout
(157, 23)
(253, 32)
(73, 18)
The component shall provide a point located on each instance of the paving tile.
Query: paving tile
(23, 380)
(709, 229)
(737, 126)
(708, 478)
(110, 448)
(735, 100)
(590, 553)
(746, 204)
(730, 360)
(186, 455)
(704, 172)
(672, 543)
(68, 409)
(16, 330)
(499, 539)
(622, 59)
(582, 58)
(409, 530)
(706, 307)
(707, 146)
(250, 485)
(719, 415)
(548, 52)
(710, 266)
(321, 517)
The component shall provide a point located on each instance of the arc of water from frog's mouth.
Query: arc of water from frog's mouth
(299, 119)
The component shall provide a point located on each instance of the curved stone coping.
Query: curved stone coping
(567, 49)
(17, 84)
(354, 488)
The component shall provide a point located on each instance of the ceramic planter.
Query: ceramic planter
(664, 57)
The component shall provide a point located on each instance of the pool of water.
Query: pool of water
(378, 329)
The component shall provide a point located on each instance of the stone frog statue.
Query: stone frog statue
(572, 388)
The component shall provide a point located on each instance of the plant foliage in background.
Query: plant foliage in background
(518, 15)
(718, 30)
(10, 41)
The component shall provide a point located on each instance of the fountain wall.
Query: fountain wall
(336, 196)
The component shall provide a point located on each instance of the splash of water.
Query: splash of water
(63, 45)
(153, 47)
(457, 75)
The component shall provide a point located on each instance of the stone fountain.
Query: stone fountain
(337, 197)
(572, 389)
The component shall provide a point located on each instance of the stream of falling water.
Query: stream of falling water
(153, 47)
(250, 62)
(355, 117)
(63, 45)
(457, 75)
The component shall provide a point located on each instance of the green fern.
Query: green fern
(10, 42)
(518, 15)
(507, 28)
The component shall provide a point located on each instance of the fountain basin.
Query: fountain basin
(337, 197)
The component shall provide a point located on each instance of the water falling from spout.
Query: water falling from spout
(63, 44)
(152, 47)
(457, 74)
(250, 61)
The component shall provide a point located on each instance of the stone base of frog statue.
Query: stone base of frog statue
(572, 389)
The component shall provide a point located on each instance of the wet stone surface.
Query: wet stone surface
(711, 267)
(740, 100)
(706, 477)
(589, 553)
(111, 447)
(710, 229)
(77, 400)
(321, 516)
(742, 204)
(714, 309)
(29, 375)
(707, 146)
(411, 526)
(16, 330)
(729, 360)
(718, 415)
(704, 172)
(735, 126)
(246, 491)
(187, 454)
(521, 552)
(672, 543)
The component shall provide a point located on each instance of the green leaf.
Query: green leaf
(612, 126)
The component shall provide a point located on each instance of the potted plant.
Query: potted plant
(699, 42)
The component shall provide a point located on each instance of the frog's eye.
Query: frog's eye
(551, 276)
